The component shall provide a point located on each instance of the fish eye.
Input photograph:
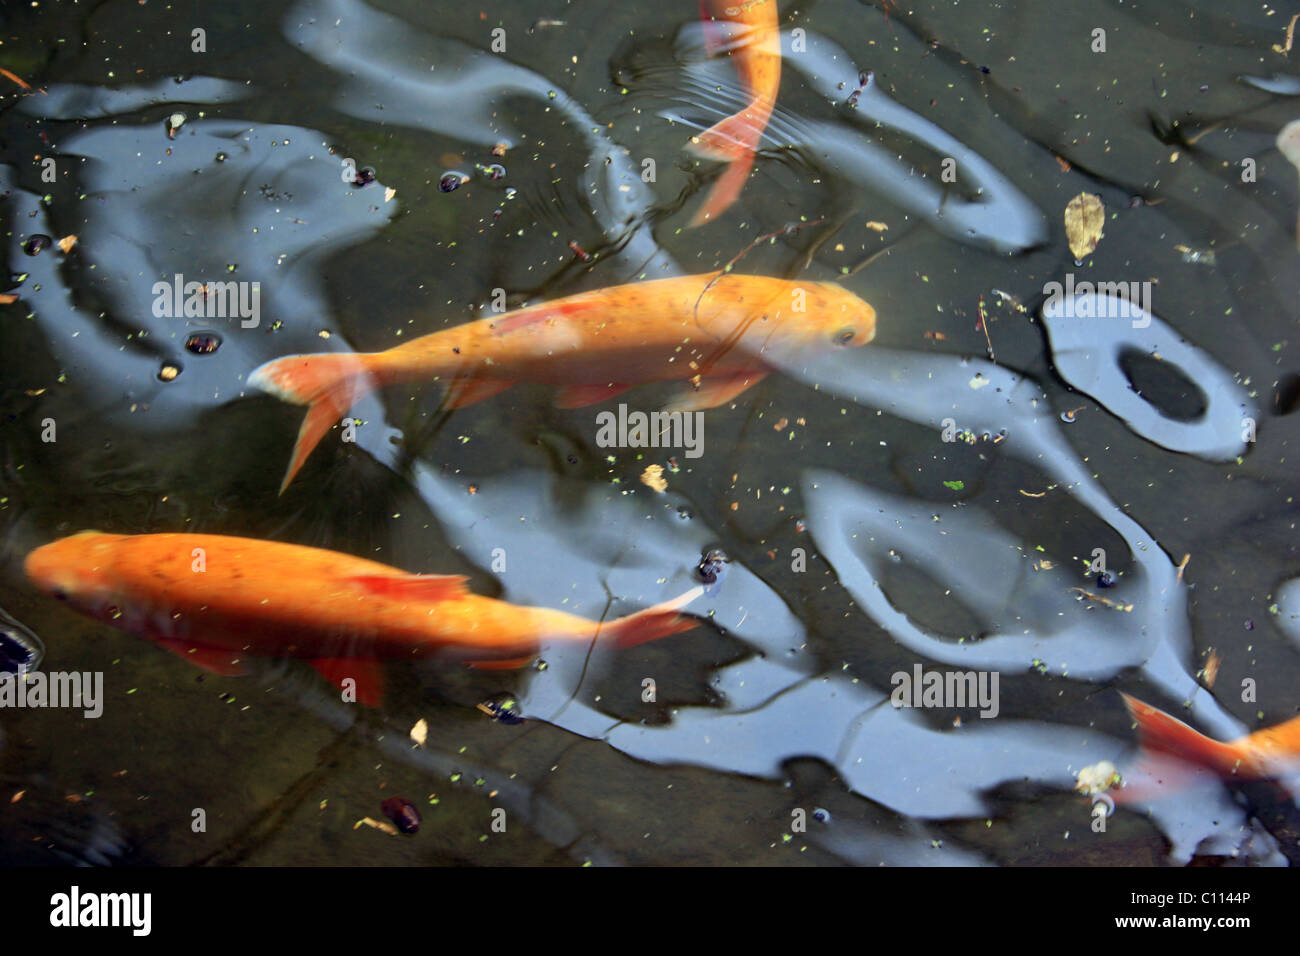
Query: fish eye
(845, 335)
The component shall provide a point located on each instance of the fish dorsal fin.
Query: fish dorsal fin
(414, 587)
(541, 314)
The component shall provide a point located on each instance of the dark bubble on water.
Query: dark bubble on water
(711, 566)
(1106, 579)
(1286, 396)
(821, 815)
(203, 343)
(364, 176)
(450, 182)
(492, 172)
(20, 650)
(403, 814)
(35, 244)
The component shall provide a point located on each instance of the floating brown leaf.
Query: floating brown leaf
(1084, 218)
(420, 732)
(653, 477)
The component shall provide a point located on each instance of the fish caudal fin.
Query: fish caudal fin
(1163, 735)
(732, 140)
(651, 623)
(327, 383)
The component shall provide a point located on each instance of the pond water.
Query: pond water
(943, 499)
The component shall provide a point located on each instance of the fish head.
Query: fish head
(76, 570)
(822, 316)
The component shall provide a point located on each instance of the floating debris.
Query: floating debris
(203, 343)
(376, 824)
(1285, 48)
(505, 707)
(450, 182)
(711, 566)
(1084, 218)
(420, 732)
(168, 372)
(1211, 671)
(1203, 257)
(15, 78)
(403, 813)
(37, 244)
(1098, 778)
(653, 477)
(1107, 579)
(1118, 606)
(173, 123)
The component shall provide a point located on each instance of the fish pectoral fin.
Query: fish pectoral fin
(714, 391)
(580, 396)
(510, 664)
(470, 391)
(367, 676)
(414, 587)
(214, 660)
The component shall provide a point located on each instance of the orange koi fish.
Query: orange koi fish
(734, 140)
(215, 599)
(1268, 754)
(712, 330)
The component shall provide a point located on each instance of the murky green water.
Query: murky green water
(861, 543)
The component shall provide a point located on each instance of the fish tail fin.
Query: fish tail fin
(733, 140)
(1162, 734)
(327, 384)
(652, 623)
(731, 137)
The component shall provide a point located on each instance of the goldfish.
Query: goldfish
(757, 58)
(214, 600)
(1268, 754)
(712, 330)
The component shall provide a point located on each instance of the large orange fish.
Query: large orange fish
(215, 599)
(593, 345)
(1268, 754)
(756, 52)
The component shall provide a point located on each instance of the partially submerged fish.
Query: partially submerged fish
(756, 52)
(712, 330)
(1269, 754)
(215, 599)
